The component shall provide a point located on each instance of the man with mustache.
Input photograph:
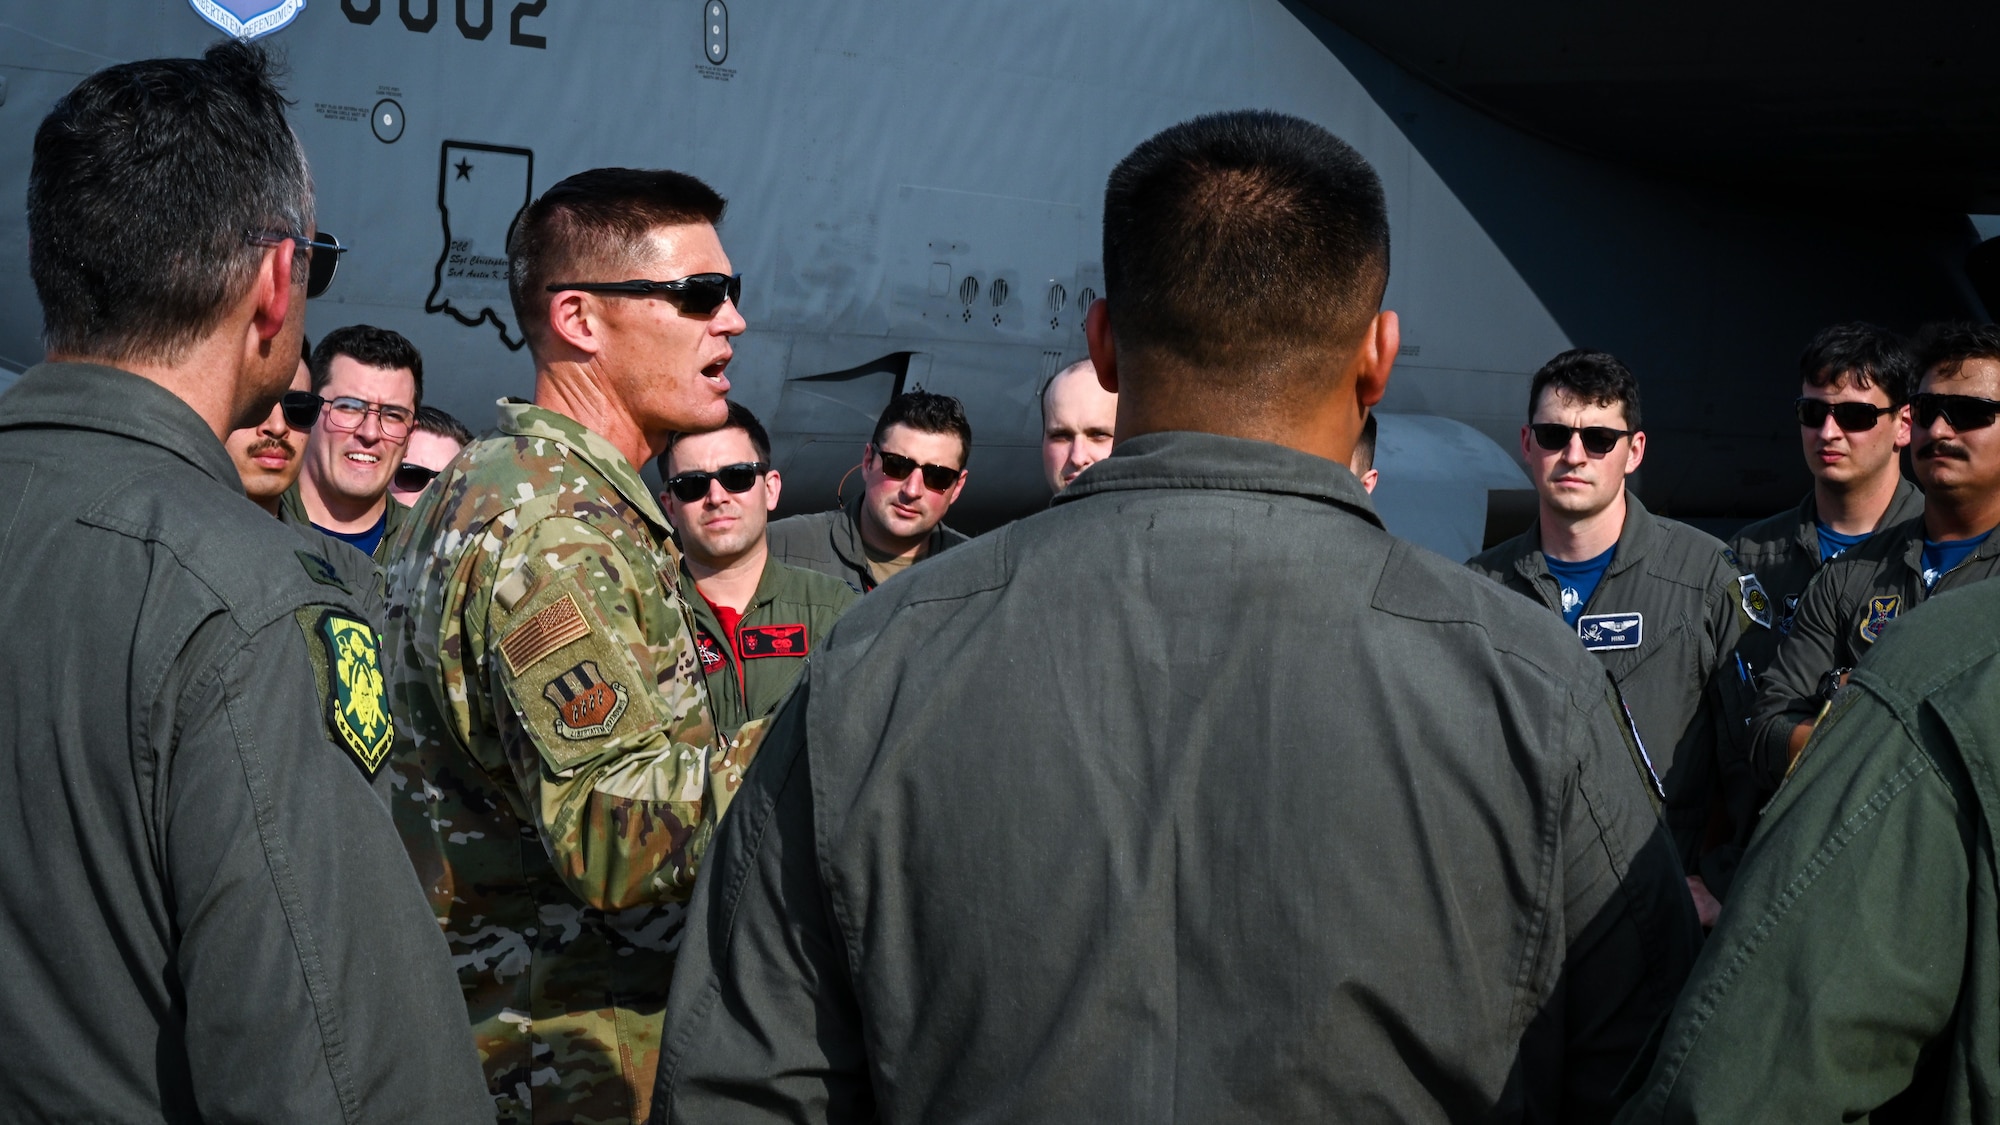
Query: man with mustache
(1858, 595)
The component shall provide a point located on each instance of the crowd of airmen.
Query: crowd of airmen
(1197, 797)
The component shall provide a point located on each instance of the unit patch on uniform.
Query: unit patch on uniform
(321, 571)
(559, 623)
(1881, 611)
(710, 652)
(357, 706)
(1756, 604)
(771, 640)
(587, 706)
(1602, 632)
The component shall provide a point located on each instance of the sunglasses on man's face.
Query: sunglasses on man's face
(1597, 440)
(322, 252)
(737, 478)
(1850, 416)
(1963, 412)
(301, 409)
(895, 466)
(697, 294)
(411, 477)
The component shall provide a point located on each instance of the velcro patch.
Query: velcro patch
(1881, 611)
(587, 705)
(1604, 632)
(357, 705)
(321, 571)
(1756, 603)
(559, 623)
(756, 641)
(710, 652)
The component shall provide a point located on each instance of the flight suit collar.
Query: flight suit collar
(1640, 528)
(525, 419)
(90, 396)
(1905, 504)
(1186, 459)
(1912, 554)
(853, 550)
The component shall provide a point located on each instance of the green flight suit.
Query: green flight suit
(292, 509)
(1783, 552)
(1856, 972)
(830, 543)
(787, 619)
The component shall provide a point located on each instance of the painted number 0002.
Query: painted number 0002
(366, 11)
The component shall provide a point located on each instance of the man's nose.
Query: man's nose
(1830, 429)
(274, 424)
(913, 485)
(728, 320)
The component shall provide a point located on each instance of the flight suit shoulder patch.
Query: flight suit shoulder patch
(574, 682)
(346, 657)
(754, 642)
(1881, 611)
(1756, 603)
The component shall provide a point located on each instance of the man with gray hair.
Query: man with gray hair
(205, 915)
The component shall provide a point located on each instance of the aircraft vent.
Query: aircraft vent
(968, 290)
(998, 290)
(1086, 298)
(1058, 297)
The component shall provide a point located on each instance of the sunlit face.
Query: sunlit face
(1079, 420)
(1840, 456)
(1949, 462)
(1572, 481)
(670, 367)
(909, 509)
(722, 526)
(432, 451)
(355, 465)
(267, 455)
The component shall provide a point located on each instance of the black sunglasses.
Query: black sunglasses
(301, 409)
(1964, 412)
(320, 267)
(1850, 416)
(697, 293)
(937, 478)
(1597, 440)
(413, 478)
(689, 487)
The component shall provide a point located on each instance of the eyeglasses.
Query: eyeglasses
(1597, 440)
(689, 487)
(301, 409)
(937, 478)
(320, 267)
(346, 413)
(1850, 416)
(697, 293)
(412, 477)
(1964, 412)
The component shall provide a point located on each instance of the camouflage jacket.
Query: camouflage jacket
(553, 757)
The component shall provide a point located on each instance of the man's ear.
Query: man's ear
(271, 294)
(1379, 346)
(773, 485)
(1103, 349)
(573, 320)
(1638, 453)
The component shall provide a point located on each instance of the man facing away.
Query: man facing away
(1124, 812)
(1955, 453)
(370, 382)
(1079, 423)
(912, 470)
(756, 619)
(556, 740)
(1854, 383)
(204, 914)
(1362, 463)
(1660, 603)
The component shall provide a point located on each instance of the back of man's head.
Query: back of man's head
(1591, 377)
(929, 413)
(1247, 250)
(591, 227)
(371, 347)
(149, 180)
(1942, 349)
(1866, 355)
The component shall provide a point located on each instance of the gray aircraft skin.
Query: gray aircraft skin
(915, 199)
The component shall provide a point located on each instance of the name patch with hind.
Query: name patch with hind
(1605, 632)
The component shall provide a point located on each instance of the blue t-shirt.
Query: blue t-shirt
(363, 541)
(1578, 581)
(1832, 542)
(1941, 555)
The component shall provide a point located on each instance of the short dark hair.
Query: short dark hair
(370, 346)
(1364, 447)
(431, 420)
(929, 413)
(1869, 354)
(1945, 347)
(1242, 241)
(587, 228)
(1591, 376)
(148, 180)
(739, 418)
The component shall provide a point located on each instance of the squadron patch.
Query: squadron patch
(558, 624)
(587, 705)
(710, 652)
(1605, 632)
(1881, 611)
(1756, 604)
(771, 640)
(357, 706)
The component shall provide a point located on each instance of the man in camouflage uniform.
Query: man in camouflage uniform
(554, 738)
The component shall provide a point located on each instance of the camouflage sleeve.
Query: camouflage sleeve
(609, 739)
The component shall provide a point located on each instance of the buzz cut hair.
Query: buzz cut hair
(1589, 376)
(1243, 243)
(1048, 384)
(592, 227)
(1868, 354)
